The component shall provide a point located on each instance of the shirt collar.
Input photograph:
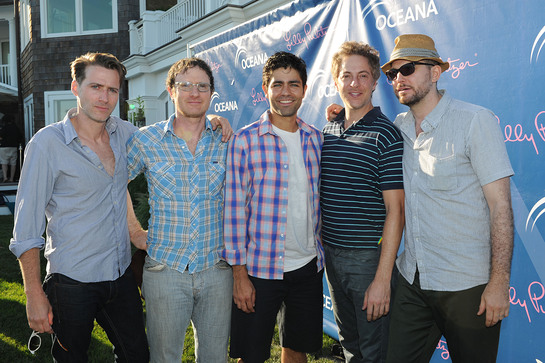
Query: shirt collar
(265, 125)
(168, 127)
(70, 132)
(432, 120)
(367, 119)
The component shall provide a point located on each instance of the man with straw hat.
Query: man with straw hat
(459, 223)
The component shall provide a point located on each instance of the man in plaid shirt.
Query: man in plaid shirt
(272, 223)
(185, 279)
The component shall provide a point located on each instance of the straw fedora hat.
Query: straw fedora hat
(414, 47)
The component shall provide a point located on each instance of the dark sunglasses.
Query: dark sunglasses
(406, 70)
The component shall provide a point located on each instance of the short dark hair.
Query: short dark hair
(106, 60)
(284, 60)
(183, 65)
(356, 48)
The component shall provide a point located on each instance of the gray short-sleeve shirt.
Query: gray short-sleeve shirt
(447, 232)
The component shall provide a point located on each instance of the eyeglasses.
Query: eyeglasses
(406, 70)
(34, 342)
(188, 86)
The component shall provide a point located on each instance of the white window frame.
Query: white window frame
(24, 14)
(28, 105)
(50, 99)
(79, 22)
(50, 104)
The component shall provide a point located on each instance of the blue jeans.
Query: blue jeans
(115, 305)
(173, 299)
(349, 272)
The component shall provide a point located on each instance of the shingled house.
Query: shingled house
(53, 33)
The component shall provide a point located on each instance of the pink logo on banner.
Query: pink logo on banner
(442, 346)
(457, 66)
(536, 292)
(257, 97)
(214, 66)
(309, 35)
(516, 133)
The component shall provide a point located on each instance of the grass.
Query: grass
(14, 330)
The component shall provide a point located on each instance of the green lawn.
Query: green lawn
(14, 330)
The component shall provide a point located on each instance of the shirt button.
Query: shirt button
(285, 166)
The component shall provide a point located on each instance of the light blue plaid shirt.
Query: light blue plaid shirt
(185, 194)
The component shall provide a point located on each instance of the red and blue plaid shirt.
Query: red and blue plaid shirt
(256, 197)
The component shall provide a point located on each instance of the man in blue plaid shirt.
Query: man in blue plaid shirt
(184, 278)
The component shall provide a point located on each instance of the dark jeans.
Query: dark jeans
(115, 305)
(419, 317)
(349, 273)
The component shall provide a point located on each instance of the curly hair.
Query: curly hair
(356, 48)
(284, 60)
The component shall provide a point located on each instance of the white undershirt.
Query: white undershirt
(299, 246)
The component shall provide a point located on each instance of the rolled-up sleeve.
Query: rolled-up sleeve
(235, 213)
(135, 160)
(33, 195)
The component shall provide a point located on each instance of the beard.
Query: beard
(418, 95)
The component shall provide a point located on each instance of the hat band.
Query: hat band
(414, 52)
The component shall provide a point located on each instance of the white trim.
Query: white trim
(28, 105)
(24, 25)
(79, 22)
(51, 99)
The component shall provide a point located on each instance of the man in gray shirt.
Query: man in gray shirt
(75, 173)
(455, 268)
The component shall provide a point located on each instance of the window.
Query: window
(4, 51)
(78, 17)
(24, 14)
(57, 104)
(29, 117)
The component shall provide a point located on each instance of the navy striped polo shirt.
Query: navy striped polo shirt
(357, 165)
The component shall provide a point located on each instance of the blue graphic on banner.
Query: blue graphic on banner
(496, 51)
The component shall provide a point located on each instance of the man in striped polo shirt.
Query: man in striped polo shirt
(362, 200)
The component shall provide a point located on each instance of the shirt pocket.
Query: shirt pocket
(215, 177)
(163, 180)
(442, 173)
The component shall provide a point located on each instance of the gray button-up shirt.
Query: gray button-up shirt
(447, 230)
(87, 236)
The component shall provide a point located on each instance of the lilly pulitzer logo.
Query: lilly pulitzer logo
(535, 210)
(538, 45)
